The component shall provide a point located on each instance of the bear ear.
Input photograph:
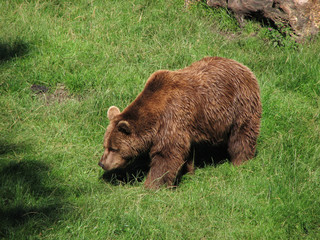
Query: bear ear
(112, 112)
(124, 127)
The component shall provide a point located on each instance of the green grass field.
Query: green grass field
(90, 55)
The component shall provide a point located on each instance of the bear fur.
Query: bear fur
(214, 101)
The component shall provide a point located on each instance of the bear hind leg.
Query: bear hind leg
(242, 142)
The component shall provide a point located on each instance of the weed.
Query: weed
(279, 38)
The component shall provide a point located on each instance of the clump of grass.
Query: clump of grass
(102, 53)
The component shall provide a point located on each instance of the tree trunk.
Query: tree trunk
(303, 16)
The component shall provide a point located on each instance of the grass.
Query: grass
(94, 54)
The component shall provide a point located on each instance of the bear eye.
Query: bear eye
(112, 149)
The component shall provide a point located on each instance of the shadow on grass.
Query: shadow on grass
(7, 148)
(27, 204)
(203, 155)
(9, 51)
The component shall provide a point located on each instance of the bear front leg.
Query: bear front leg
(163, 170)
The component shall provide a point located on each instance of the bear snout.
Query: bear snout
(101, 164)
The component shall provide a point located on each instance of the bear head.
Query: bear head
(119, 143)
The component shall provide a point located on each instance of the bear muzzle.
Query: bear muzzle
(101, 164)
(111, 161)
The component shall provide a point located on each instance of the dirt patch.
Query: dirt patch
(60, 94)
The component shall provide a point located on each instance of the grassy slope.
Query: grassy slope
(103, 52)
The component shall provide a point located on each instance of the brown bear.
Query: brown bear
(213, 101)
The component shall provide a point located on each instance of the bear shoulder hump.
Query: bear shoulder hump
(157, 80)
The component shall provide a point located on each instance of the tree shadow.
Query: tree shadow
(203, 155)
(7, 148)
(28, 203)
(16, 49)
